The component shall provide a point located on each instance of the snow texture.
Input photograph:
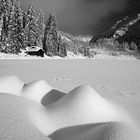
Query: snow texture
(84, 113)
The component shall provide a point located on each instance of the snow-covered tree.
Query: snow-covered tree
(51, 41)
(133, 46)
(5, 13)
(24, 19)
(40, 21)
(32, 31)
(16, 36)
(62, 47)
(1, 24)
(63, 50)
(4, 7)
(40, 25)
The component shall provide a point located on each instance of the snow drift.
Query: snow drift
(88, 103)
(81, 106)
(101, 131)
(10, 84)
(36, 90)
(15, 123)
(51, 97)
(82, 114)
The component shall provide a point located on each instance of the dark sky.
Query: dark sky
(86, 16)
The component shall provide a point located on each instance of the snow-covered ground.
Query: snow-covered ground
(70, 55)
(45, 99)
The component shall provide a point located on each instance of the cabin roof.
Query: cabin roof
(33, 49)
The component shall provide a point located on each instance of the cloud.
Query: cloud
(77, 16)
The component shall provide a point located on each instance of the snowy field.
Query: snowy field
(64, 75)
(70, 55)
(45, 99)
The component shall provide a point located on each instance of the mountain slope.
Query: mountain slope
(125, 30)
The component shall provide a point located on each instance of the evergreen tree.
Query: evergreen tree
(16, 37)
(24, 19)
(133, 46)
(62, 47)
(126, 46)
(40, 21)
(4, 7)
(51, 41)
(63, 50)
(1, 24)
(40, 25)
(5, 13)
(31, 28)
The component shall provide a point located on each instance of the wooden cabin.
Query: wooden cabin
(35, 51)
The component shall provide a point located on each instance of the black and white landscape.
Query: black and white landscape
(69, 70)
(26, 33)
(75, 99)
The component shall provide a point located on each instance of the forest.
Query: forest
(20, 29)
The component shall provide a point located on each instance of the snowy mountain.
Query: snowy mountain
(125, 30)
(68, 37)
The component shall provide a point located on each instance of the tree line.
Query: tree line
(20, 29)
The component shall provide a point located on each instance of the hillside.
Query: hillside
(125, 30)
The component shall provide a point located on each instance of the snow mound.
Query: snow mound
(51, 97)
(84, 105)
(81, 106)
(10, 84)
(36, 90)
(103, 131)
(15, 123)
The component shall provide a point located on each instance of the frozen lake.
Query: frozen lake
(123, 75)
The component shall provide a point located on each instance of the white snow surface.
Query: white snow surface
(36, 90)
(70, 55)
(102, 131)
(10, 84)
(80, 106)
(15, 123)
(106, 109)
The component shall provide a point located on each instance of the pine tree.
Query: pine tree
(62, 47)
(51, 41)
(1, 24)
(31, 28)
(126, 46)
(16, 37)
(4, 7)
(63, 50)
(40, 25)
(24, 19)
(133, 46)
(5, 13)
(40, 21)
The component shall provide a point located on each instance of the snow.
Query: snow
(52, 97)
(80, 106)
(15, 123)
(123, 30)
(33, 48)
(36, 90)
(103, 108)
(70, 55)
(10, 84)
(65, 38)
(74, 56)
(25, 56)
(102, 131)
(85, 38)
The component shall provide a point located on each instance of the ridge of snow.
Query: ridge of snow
(10, 84)
(83, 100)
(36, 90)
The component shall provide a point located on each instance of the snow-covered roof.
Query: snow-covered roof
(33, 49)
